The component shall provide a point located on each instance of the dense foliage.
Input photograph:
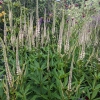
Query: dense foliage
(50, 51)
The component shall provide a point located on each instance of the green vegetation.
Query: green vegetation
(50, 51)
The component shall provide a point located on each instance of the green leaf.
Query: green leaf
(44, 97)
(35, 97)
(18, 94)
(1, 91)
(97, 99)
(94, 93)
(94, 82)
(99, 75)
(56, 95)
(65, 81)
(97, 86)
(82, 78)
(36, 64)
(88, 93)
(36, 90)
(27, 88)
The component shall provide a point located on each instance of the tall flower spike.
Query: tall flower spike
(7, 89)
(37, 20)
(48, 37)
(45, 23)
(37, 34)
(29, 35)
(21, 31)
(5, 31)
(82, 54)
(18, 71)
(54, 18)
(13, 39)
(71, 73)
(21, 37)
(30, 31)
(10, 18)
(66, 47)
(25, 28)
(8, 74)
(60, 34)
(10, 22)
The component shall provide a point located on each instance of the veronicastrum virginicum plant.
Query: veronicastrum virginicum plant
(52, 63)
